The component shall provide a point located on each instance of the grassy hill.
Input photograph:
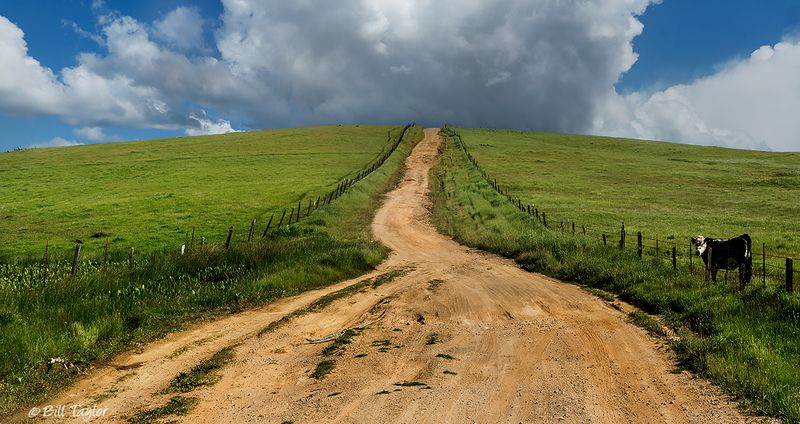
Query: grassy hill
(667, 191)
(149, 194)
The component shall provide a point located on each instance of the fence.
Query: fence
(290, 215)
(780, 268)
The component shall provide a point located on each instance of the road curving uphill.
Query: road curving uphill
(439, 333)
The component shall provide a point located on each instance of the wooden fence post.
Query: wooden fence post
(230, 234)
(298, 211)
(604, 240)
(132, 258)
(308, 212)
(639, 246)
(282, 216)
(573, 228)
(46, 260)
(584, 229)
(268, 224)
(622, 237)
(291, 215)
(316, 205)
(764, 264)
(252, 230)
(789, 276)
(674, 257)
(544, 219)
(76, 257)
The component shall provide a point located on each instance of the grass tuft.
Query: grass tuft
(204, 374)
(177, 406)
(409, 384)
(338, 344)
(323, 368)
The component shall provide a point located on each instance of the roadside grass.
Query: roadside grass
(745, 342)
(204, 374)
(602, 294)
(646, 322)
(106, 308)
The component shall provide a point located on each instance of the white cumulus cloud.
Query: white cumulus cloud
(90, 133)
(208, 126)
(55, 142)
(748, 103)
(182, 28)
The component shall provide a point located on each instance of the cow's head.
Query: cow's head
(699, 243)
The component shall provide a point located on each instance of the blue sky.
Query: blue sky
(686, 39)
(681, 42)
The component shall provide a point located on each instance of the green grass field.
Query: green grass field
(107, 307)
(149, 194)
(666, 191)
(744, 341)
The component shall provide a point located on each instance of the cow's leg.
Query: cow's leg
(714, 275)
(748, 270)
(741, 276)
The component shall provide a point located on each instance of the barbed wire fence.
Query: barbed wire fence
(770, 267)
(290, 215)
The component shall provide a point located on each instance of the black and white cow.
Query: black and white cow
(726, 254)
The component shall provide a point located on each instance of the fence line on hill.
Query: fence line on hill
(785, 271)
(295, 215)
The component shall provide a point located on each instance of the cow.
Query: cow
(726, 254)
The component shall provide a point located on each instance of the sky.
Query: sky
(712, 72)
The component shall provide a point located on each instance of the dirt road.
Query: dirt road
(462, 336)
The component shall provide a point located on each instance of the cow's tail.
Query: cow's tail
(748, 246)
(748, 257)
